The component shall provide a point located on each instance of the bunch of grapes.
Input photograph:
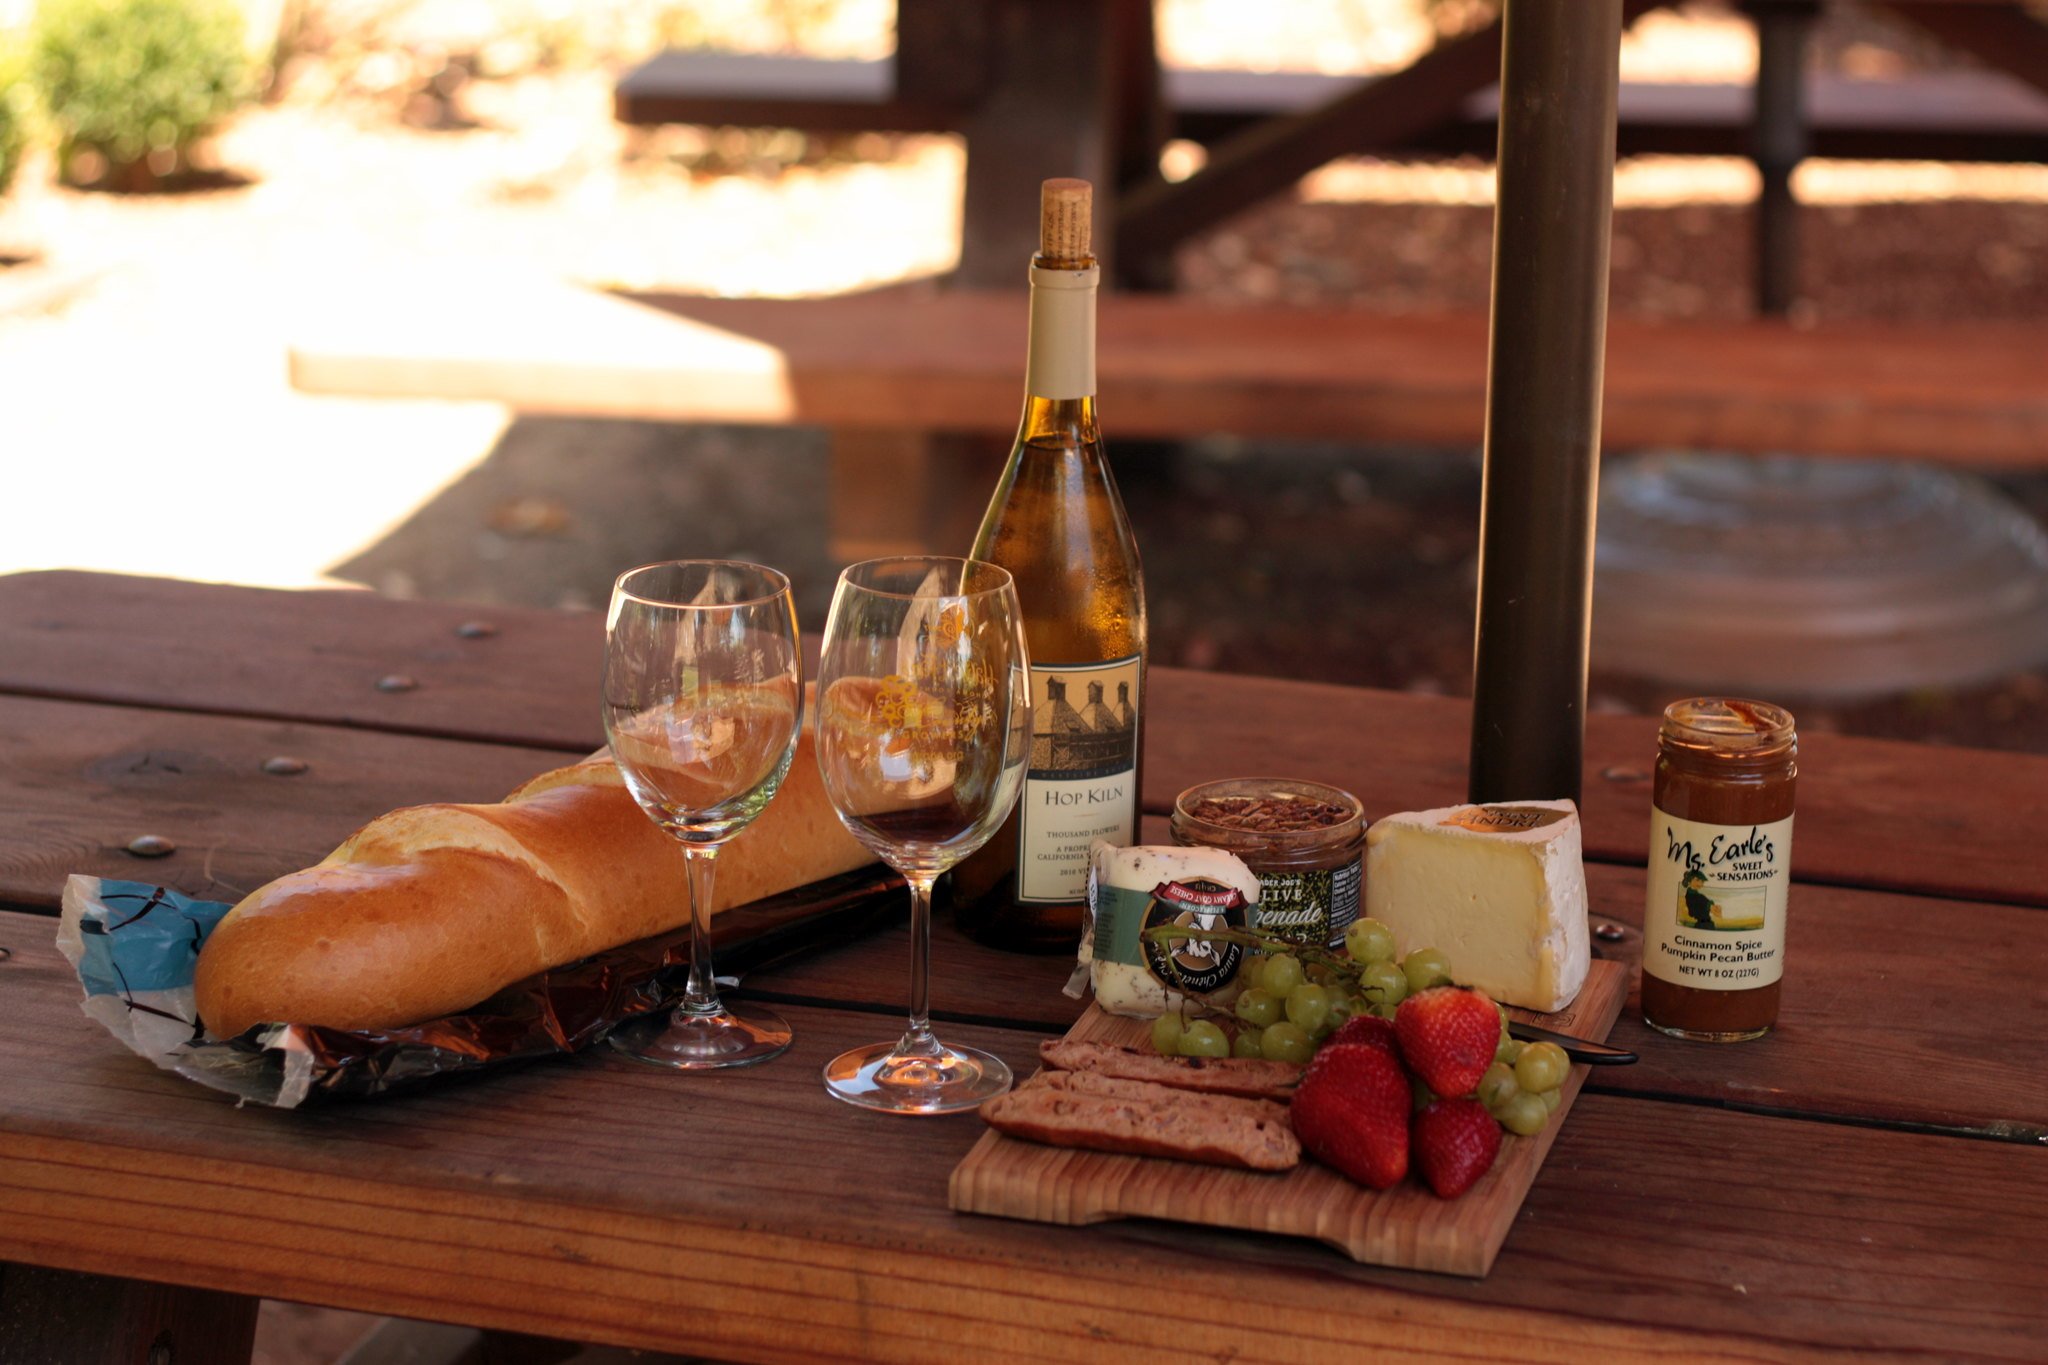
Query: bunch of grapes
(1296, 995)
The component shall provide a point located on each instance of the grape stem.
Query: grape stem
(1351, 971)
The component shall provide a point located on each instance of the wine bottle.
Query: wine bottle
(1057, 524)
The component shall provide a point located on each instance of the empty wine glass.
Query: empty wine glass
(703, 698)
(924, 725)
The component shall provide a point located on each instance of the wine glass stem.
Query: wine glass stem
(918, 1041)
(702, 995)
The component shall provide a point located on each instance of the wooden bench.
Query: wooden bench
(1170, 367)
(1940, 116)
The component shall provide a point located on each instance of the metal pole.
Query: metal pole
(1778, 144)
(1559, 66)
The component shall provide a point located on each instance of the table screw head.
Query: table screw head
(161, 1351)
(476, 630)
(151, 846)
(1609, 933)
(6, 953)
(396, 682)
(284, 767)
(1624, 774)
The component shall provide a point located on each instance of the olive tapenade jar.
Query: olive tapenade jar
(1305, 841)
(1720, 869)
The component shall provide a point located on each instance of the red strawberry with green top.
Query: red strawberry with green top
(1368, 1029)
(1448, 1035)
(1351, 1112)
(1454, 1142)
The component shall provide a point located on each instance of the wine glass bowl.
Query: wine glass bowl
(703, 700)
(923, 730)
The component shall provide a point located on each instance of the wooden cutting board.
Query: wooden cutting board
(1406, 1226)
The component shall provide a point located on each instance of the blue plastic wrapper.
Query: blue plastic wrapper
(135, 946)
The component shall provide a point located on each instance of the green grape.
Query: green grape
(1502, 1011)
(1497, 1087)
(1384, 1011)
(1284, 1042)
(1204, 1039)
(1246, 1044)
(1258, 1008)
(1166, 1031)
(1422, 1094)
(1342, 1007)
(1308, 1005)
(1506, 1050)
(1281, 975)
(1542, 1066)
(1525, 1114)
(1551, 1099)
(1320, 973)
(1384, 983)
(1369, 941)
(1426, 967)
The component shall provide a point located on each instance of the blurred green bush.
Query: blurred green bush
(134, 83)
(15, 111)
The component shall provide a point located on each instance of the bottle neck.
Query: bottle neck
(1060, 363)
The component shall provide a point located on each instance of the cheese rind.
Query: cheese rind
(1499, 889)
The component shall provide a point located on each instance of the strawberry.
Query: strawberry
(1455, 1142)
(1448, 1035)
(1351, 1112)
(1368, 1029)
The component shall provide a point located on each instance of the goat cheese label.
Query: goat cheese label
(1082, 781)
(1192, 966)
(1714, 913)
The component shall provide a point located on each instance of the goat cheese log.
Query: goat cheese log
(431, 909)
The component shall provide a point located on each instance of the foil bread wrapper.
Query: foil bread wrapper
(135, 946)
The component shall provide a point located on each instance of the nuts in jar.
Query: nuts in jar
(1304, 840)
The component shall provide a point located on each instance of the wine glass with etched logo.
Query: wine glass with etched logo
(703, 698)
(924, 726)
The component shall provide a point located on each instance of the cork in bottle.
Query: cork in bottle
(1064, 209)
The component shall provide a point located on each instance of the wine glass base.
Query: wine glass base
(704, 1042)
(878, 1077)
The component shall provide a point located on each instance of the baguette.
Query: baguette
(1216, 1130)
(1247, 1077)
(431, 909)
(1148, 1092)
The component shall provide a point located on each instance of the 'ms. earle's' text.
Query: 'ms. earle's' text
(1750, 859)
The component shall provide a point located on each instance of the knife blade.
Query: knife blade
(1578, 1049)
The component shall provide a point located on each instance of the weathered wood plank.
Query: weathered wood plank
(1907, 817)
(749, 1216)
(1865, 1005)
(79, 781)
(1171, 367)
(1875, 813)
(59, 1316)
(531, 678)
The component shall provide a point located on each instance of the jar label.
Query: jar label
(1311, 906)
(1191, 966)
(1082, 782)
(1714, 912)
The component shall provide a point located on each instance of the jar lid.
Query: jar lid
(1733, 726)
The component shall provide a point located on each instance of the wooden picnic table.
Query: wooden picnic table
(1871, 1178)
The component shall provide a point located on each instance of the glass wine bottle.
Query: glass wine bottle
(1057, 524)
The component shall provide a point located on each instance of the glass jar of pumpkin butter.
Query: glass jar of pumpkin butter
(1720, 869)
(1305, 841)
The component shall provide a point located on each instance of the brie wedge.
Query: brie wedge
(1500, 889)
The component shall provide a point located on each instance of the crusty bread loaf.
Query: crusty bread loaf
(1147, 1120)
(1248, 1077)
(432, 909)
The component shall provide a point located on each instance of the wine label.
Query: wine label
(1714, 913)
(1082, 781)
